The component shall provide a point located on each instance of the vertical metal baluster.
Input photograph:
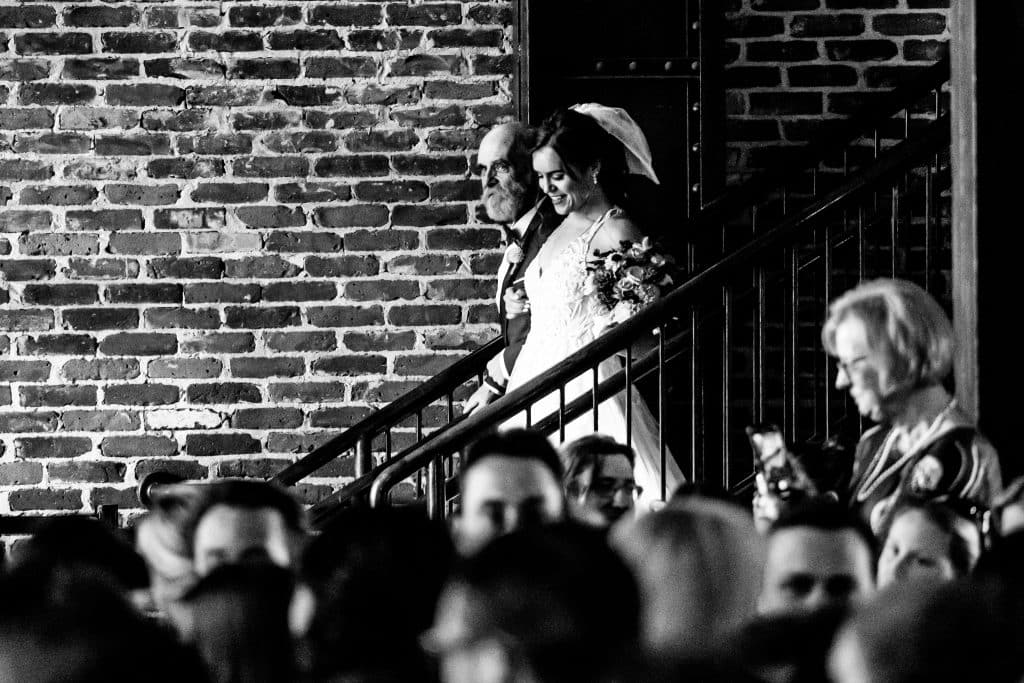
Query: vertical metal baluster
(364, 455)
(938, 103)
(906, 124)
(451, 407)
(759, 345)
(387, 443)
(419, 438)
(814, 181)
(928, 190)
(861, 245)
(561, 414)
(894, 222)
(828, 299)
(726, 374)
(529, 416)
(629, 394)
(435, 481)
(698, 450)
(789, 353)
(876, 147)
(662, 398)
(794, 339)
(596, 382)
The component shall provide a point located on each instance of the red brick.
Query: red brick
(349, 365)
(301, 341)
(25, 422)
(100, 369)
(150, 446)
(100, 421)
(265, 418)
(220, 444)
(140, 394)
(52, 447)
(20, 473)
(36, 395)
(425, 315)
(45, 499)
(139, 344)
(345, 316)
(306, 392)
(86, 472)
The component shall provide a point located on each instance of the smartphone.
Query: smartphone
(769, 446)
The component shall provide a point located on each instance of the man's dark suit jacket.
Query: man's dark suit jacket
(514, 331)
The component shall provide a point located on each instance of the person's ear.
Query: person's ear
(301, 610)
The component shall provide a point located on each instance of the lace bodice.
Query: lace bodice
(560, 309)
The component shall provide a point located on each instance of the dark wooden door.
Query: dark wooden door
(657, 59)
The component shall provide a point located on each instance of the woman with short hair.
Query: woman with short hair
(894, 347)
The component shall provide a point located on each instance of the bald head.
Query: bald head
(503, 162)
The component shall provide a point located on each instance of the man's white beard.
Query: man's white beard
(503, 204)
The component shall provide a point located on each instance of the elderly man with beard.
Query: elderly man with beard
(511, 198)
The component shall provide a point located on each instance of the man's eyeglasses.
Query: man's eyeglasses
(609, 488)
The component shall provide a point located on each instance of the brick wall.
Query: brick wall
(793, 65)
(227, 228)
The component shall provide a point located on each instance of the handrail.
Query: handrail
(888, 105)
(892, 162)
(431, 390)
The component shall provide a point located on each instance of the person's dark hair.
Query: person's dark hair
(689, 490)
(72, 544)
(519, 444)
(581, 142)
(247, 494)
(374, 572)
(951, 522)
(584, 453)
(824, 514)
(239, 623)
(958, 631)
(557, 595)
(77, 627)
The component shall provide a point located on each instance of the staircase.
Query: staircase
(737, 341)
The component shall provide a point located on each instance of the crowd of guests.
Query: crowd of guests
(548, 572)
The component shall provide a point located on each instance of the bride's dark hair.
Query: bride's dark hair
(581, 142)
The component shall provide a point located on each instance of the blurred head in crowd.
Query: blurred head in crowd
(238, 521)
(891, 339)
(71, 544)
(543, 604)
(75, 626)
(929, 632)
(161, 541)
(371, 572)
(503, 163)
(819, 555)
(599, 482)
(699, 564)
(509, 480)
(928, 540)
(238, 622)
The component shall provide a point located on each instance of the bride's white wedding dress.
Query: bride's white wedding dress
(562, 322)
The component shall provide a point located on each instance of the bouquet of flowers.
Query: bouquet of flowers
(628, 279)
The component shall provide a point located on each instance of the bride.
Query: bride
(581, 160)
